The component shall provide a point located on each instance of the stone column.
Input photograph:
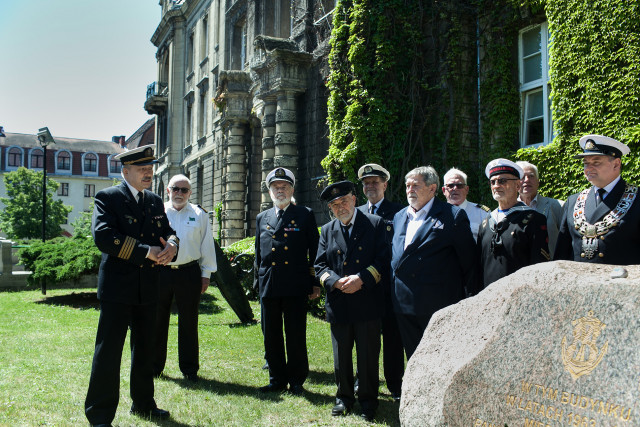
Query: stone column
(280, 73)
(286, 143)
(235, 124)
(268, 148)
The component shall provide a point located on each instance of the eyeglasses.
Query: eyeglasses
(458, 186)
(502, 181)
(184, 190)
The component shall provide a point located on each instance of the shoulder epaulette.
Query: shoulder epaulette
(483, 207)
(205, 211)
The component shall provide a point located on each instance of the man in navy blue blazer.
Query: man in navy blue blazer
(433, 256)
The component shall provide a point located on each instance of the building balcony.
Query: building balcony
(157, 98)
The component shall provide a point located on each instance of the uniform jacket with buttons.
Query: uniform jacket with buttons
(386, 210)
(518, 240)
(365, 254)
(284, 252)
(434, 270)
(124, 233)
(620, 246)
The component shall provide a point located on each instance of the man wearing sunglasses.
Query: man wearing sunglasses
(455, 189)
(601, 224)
(184, 279)
(514, 235)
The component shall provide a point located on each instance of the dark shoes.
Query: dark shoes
(157, 413)
(396, 397)
(193, 378)
(368, 416)
(273, 388)
(340, 409)
(296, 389)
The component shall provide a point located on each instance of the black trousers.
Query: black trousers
(292, 368)
(104, 385)
(392, 352)
(185, 285)
(411, 330)
(366, 336)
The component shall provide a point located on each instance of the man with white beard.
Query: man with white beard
(514, 235)
(285, 249)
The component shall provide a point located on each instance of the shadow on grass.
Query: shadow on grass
(79, 300)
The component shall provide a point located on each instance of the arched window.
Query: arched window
(114, 165)
(14, 157)
(36, 159)
(90, 163)
(64, 161)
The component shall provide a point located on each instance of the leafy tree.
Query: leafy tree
(22, 215)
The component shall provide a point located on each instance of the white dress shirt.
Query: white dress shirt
(416, 219)
(196, 239)
(476, 216)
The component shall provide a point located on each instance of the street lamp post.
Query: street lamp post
(44, 138)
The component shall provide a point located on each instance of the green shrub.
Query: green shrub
(61, 259)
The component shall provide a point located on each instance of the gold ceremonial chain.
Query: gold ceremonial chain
(590, 232)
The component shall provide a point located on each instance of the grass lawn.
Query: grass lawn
(46, 348)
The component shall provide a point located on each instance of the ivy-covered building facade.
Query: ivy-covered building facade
(323, 86)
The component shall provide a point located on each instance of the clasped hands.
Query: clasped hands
(164, 255)
(349, 284)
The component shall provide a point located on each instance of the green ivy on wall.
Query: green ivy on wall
(595, 87)
(404, 86)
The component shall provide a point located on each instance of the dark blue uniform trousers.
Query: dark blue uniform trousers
(104, 385)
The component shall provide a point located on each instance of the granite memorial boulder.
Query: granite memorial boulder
(554, 344)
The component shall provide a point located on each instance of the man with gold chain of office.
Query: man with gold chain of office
(601, 224)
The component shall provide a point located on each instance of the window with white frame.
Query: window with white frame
(36, 159)
(115, 166)
(90, 163)
(14, 157)
(63, 161)
(63, 190)
(533, 65)
(89, 190)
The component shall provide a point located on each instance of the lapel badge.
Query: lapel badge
(388, 228)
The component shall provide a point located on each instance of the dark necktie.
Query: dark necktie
(372, 209)
(600, 195)
(141, 201)
(345, 231)
(280, 213)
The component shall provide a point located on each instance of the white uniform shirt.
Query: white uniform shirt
(476, 216)
(196, 239)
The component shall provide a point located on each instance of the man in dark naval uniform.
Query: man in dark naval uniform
(285, 249)
(514, 235)
(374, 180)
(132, 231)
(601, 224)
(352, 262)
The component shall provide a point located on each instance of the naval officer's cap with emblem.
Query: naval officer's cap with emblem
(337, 190)
(500, 166)
(140, 156)
(372, 169)
(280, 174)
(598, 145)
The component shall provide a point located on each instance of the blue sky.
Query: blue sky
(80, 67)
